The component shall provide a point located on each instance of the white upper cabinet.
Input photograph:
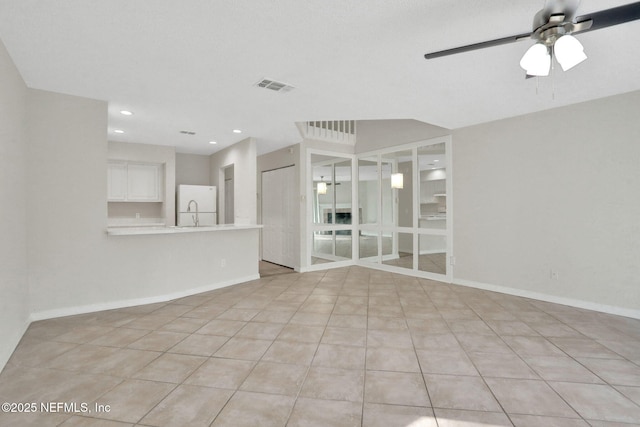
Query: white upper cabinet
(134, 182)
(117, 182)
(143, 182)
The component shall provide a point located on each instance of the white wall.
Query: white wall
(14, 291)
(192, 169)
(243, 156)
(67, 197)
(556, 190)
(377, 134)
(149, 153)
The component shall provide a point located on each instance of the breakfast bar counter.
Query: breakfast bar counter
(140, 230)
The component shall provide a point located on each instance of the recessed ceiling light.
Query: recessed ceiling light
(237, 131)
(212, 142)
(118, 131)
(126, 113)
(436, 160)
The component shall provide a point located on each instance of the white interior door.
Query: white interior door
(278, 216)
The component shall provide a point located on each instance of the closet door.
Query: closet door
(278, 216)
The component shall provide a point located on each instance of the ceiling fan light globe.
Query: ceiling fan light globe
(569, 52)
(536, 60)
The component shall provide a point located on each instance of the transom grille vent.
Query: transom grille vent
(274, 85)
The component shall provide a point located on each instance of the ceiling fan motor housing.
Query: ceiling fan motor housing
(548, 34)
(557, 26)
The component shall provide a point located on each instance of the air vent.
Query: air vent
(274, 85)
(187, 132)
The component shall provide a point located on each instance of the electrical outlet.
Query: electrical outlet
(137, 215)
(452, 260)
(554, 275)
(223, 262)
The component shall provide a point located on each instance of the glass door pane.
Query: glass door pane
(344, 243)
(331, 246)
(323, 194)
(433, 253)
(404, 256)
(322, 243)
(388, 244)
(389, 203)
(368, 190)
(433, 184)
(342, 191)
(368, 244)
(405, 193)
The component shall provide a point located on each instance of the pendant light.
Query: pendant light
(397, 180)
(322, 186)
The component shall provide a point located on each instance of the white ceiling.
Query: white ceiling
(192, 64)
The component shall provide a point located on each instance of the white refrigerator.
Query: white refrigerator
(196, 204)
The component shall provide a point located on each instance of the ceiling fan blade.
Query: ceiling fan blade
(609, 17)
(476, 46)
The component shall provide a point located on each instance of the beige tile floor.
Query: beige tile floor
(345, 347)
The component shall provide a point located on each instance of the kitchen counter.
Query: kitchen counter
(140, 230)
(433, 217)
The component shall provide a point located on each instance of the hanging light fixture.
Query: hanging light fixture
(553, 40)
(569, 52)
(397, 180)
(322, 186)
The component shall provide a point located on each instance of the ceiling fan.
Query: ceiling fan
(553, 29)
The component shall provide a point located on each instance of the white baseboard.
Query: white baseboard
(587, 305)
(327, 266)
(433, 251)
(70, 311)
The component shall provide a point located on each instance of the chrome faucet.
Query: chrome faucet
(196, 217)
